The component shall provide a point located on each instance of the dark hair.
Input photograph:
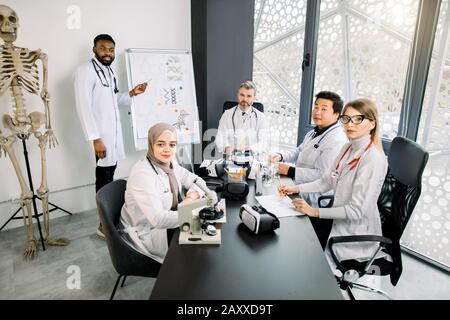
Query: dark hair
(103, 37)
(338, 103)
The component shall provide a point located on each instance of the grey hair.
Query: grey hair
(248, 85)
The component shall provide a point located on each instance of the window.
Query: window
(363, 51)
(277, 72)
(428, 232)
(377, 49)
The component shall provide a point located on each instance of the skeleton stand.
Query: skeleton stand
(36, 215)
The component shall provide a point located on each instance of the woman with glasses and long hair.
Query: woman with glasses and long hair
(356, 177)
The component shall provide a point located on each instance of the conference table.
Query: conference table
(286, 264)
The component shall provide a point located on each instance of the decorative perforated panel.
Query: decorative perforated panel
(278, 17)
(398, 16)
(284, 61)
(429, 230)
(363, 52)
(330, 66)
(279, 37)
(281, 111)
(379, 63)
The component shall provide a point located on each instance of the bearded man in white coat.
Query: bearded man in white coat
(243, 127)
(97, 100)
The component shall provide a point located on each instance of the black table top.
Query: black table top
(285, 264)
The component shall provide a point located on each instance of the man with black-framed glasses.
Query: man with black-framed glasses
(97, 99)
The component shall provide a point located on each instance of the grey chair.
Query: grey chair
(398, 197)
(126, 260)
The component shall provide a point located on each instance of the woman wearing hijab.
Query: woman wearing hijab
(356, 177)
(153, 193)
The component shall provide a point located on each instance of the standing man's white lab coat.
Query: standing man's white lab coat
(146, 214)
(355, 209)
(97, 108)
(239, 129)
(314, 157)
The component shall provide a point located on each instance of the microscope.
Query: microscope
(194, 217)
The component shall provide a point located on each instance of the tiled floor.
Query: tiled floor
(54, 273)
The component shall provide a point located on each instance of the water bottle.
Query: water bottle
(258, 190)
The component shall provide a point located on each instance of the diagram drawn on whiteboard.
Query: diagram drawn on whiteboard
(170, 96)
(174, 69)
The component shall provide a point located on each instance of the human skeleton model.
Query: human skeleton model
(18, 71)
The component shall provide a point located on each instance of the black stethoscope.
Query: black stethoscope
(337, 125)
(157, 173)
(245, 120)
(104, 80)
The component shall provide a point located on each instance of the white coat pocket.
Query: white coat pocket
(167, 199)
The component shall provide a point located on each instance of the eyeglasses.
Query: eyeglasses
(354, 119)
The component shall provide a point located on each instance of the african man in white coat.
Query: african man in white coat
(356, 177)
(97, 100)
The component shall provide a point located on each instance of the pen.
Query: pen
(241, 172)
(280, 191)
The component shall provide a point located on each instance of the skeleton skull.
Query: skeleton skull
(9, 22)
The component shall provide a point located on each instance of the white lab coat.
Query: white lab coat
(97, 108)
(249, 130)
(355, 210)
(146, 213)
(312, 163)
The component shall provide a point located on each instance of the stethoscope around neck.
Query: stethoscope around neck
(101, 73)
(166, 189)
(335, 126)
(234, 113)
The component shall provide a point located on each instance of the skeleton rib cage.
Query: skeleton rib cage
(25, 70)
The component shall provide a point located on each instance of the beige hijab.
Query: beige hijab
(153, 134)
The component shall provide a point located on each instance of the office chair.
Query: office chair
(230, 104)
(398, 197)
(126, 260)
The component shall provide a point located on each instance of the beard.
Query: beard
(105, 60)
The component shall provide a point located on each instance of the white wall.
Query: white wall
(44, 24)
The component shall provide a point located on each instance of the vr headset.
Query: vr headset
(258, 219)
(235, 190)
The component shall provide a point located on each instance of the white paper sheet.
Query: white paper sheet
(205, 163)
(278, 206)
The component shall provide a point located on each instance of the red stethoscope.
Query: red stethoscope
(353, 163)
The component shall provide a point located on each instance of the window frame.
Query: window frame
(416, 77)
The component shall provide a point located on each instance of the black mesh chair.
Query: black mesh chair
(126, 260)
(230, 104)
(399, 195)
